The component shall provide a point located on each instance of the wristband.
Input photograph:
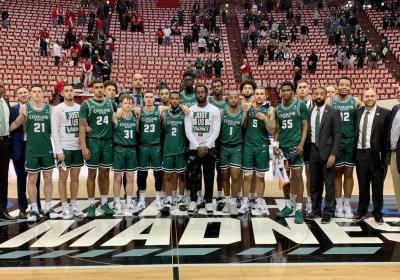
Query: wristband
(275, 144)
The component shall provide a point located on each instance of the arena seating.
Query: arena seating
(273, 72)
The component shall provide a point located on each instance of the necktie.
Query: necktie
(317, 126)
(364, 131)
(3, 131)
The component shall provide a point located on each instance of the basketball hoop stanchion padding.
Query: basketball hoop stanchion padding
(168, 3)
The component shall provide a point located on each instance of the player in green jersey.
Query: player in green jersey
(110, 91)
(39, 152)
(164, 94)
(95, 135)
(174, 164)
(347, 106)
(230, 151)
(188, 97)
(260, 121)
(291, 132)
(125, 159)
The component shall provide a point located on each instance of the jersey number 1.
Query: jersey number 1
(38, 127)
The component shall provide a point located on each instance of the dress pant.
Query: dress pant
(194, 166)
(395, 177)
(320, 174)
(368, 175)
(4, 165)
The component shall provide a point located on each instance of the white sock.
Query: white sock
(117, 200)
(34, 207)
(128, 199)
(339, 203)
(252, 195)
(174, 194)
(180, 197)
(309, 200)
(227, 198)
(64, 204)
(346, 202)
(187, 193)
(163, 194)
(92, 201)
(245, 200)
(233, 201)
(169, 199)
(288, 203)
(47, 206)
(73, 202)
(142, 195)
(299, 206)
(158, 195)
(104, 199)
(219, 193)
(293, 198)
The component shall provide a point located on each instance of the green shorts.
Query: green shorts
(230, 156)
(101, 153)
(36, 164)
(73, 159)
(149, 157)
(294, 160)
(345, 157)
(125, 159)
(255, 158)
(175, 163)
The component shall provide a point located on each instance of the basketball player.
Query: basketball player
(39, 151)
(230, 153)
(260, 121)
(247, 89)
(217, 99)
(110, 91)
(188, 96)
(291, 132)
(347, 106)
(303, 94)
(124, 153)
(164, 94)
(96, 143)
(174, 164)
(65, 133)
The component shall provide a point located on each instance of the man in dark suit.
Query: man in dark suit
(324, 140)
(371, 155)
(394, 148)
(18, 141)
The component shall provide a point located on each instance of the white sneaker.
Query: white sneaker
(262, 207)
(308, 207)
(339, 212)
(117, 208)
(347, 213)
(76, 211)
(227, 207)
(33, 216)
(186, 200)
(66, 213)
(209, 208)
(244, 208)
(159, 204)
(192, 207)
(129, 207)
(253, 203)
(51, 214)
(139, 207)
(233, 210)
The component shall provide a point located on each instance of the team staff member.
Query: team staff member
(202, 128)
(372, 126)
(291, 132)
(96, 144)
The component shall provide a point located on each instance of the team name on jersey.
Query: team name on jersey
(102, 111)
(344, 107)
(127, 125)
(149, 119)
(287, 115)
(231, 122)
(38, 118)
(175, 122)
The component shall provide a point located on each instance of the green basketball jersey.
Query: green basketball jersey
(99, 117)
(38, 143)
(219, 104)
(125, 132)
(347, 109)
(289, 120)
(231, 128)
(188, 99)
(174, 141)
(256, 133)
(150, 127)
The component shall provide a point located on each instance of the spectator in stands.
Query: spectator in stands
(74, 52)
(99, 25)
(81, 17)
(223, 17)
(60, 14)
(245, 70)
(261, 52)
(327, 25)
(297, 19)
(352, 60)
(287, 53)
(189, 67)
(181, 17)
(244, 42)
(133, 21)
(282, 40)
(54, 17)
(92, 17)
(204, 33)
(372, 59)
(160, 36)
(304, 32)
(195, 32)
(271, 51)
(254, 37)
(202, 44)
(176, 31)
(85, 49)
(57, 52)
(44, 41)
(316, 17)
(218, 65)
(199, 64)
(167, 35)
(360, 58)
(273, 37)
(293, 34)
(383, 44)
(312, 62)
(279, 55)
(208, 67)
(108, 53)
(87, 74)
(187, 42)
(216, 43)
(297, 76)
(298, 62)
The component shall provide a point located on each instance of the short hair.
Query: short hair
(323, 88)
(162, 86)
(201, 86)
(125, 96)
(2, 89)
(175, 92)
(188, 73)
(36, 85)
(287, 83)
(97, 81)
(263, 88)
(344, 78)
(148, 91)
(248, 82)
(217, 81)
(302, 81)
(66, 85)
(17, 89)
(111, 83)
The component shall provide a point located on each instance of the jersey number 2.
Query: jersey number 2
(38, 127)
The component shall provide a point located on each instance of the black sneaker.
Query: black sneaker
(201, 205)
(166, 210)
(220, 204)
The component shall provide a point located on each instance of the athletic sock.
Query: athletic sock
(299, 206)
(128, 199)
(104, 199)
(174, 194)
(180, 197)
(346, 202)
(169, 199)
(233, 201)
(117, 200)
(73, 202)
(219, 193)
(309, 200)
(227, 198)
(92, 201)
(339, 202)
(64, 204)
(158, 195)
(187, 193)
(252, 195)
(293, 198)
(34, 207)
(142, 195)
(245, 200)
(47, 206)
(288, 203)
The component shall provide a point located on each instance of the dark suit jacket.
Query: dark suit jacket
(379, 134)
(330, 132)
(395, 109)
(16, 136)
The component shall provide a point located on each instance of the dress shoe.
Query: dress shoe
(379, 220)
(22, 214)
(5, 216)
(312, 216)
(359, 217)
(326, 219)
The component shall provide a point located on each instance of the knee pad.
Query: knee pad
(260, 174)
(248, 172)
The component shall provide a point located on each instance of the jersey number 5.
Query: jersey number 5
(287, 124)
